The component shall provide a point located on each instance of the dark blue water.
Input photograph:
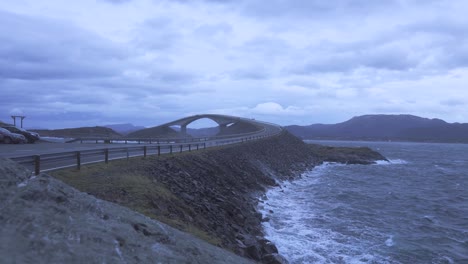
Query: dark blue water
(413, 209)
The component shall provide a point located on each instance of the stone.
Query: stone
(267, 246)
(274, 259)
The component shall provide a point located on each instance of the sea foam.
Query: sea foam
(391, 162)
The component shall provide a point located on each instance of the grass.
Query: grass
(117, 182)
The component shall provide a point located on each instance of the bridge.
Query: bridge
(222, 120)
(51, 156)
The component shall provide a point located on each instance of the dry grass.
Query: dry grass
(115, 182)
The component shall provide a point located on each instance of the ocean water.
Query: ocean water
(413, 209)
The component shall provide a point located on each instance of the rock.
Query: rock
(267, 246)
(187, 197)
(254, 252)
(274, 259)
(346, 155)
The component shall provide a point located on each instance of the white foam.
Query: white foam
(398, 161)
(291, 226)
(391, 162)
(389, 242)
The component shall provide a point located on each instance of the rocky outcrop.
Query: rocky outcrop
(43, 220)
(361, 155)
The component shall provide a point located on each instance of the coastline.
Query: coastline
(212, 194)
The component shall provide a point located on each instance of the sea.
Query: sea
(410, 209)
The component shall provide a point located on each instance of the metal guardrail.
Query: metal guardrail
(160, 140)
(54, 161)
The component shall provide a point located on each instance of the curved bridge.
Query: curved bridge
(223, 121)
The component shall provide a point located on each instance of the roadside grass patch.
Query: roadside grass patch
(117, 182)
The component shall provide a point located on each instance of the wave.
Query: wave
(303, 233)
(391, 162)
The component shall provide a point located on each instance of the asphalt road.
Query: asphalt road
(39, 148)
(59, 155)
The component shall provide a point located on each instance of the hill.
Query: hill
(386, 127)
(124, 129)
(155, 132)
(96, 131)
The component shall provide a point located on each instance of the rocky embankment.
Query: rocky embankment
(43, 220)
(212, 194)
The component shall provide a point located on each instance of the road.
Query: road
(60, 155)
(41, 148)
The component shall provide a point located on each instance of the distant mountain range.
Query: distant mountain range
(386, 128)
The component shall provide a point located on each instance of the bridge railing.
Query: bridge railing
(160, 140)
(54, 161)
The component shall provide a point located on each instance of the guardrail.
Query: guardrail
(54, 161)
(160, 140)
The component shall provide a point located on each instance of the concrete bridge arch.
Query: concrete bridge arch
(223, 121)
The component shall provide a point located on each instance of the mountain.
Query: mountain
(124, 129)
(386, 127)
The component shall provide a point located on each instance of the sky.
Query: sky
(147, 62)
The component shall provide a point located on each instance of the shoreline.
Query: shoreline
(213, 194)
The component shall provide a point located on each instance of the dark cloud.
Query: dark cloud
(211, 30)
(304, 83)
(266, 45)
(302, 8)
(381, 54)
(158, 34)
(258, 73)
(438, 26)
(174, 77)
(453, 102)
(45, 49)
(314, 9)
(445, 41)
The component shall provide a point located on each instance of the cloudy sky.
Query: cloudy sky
(95, 62)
